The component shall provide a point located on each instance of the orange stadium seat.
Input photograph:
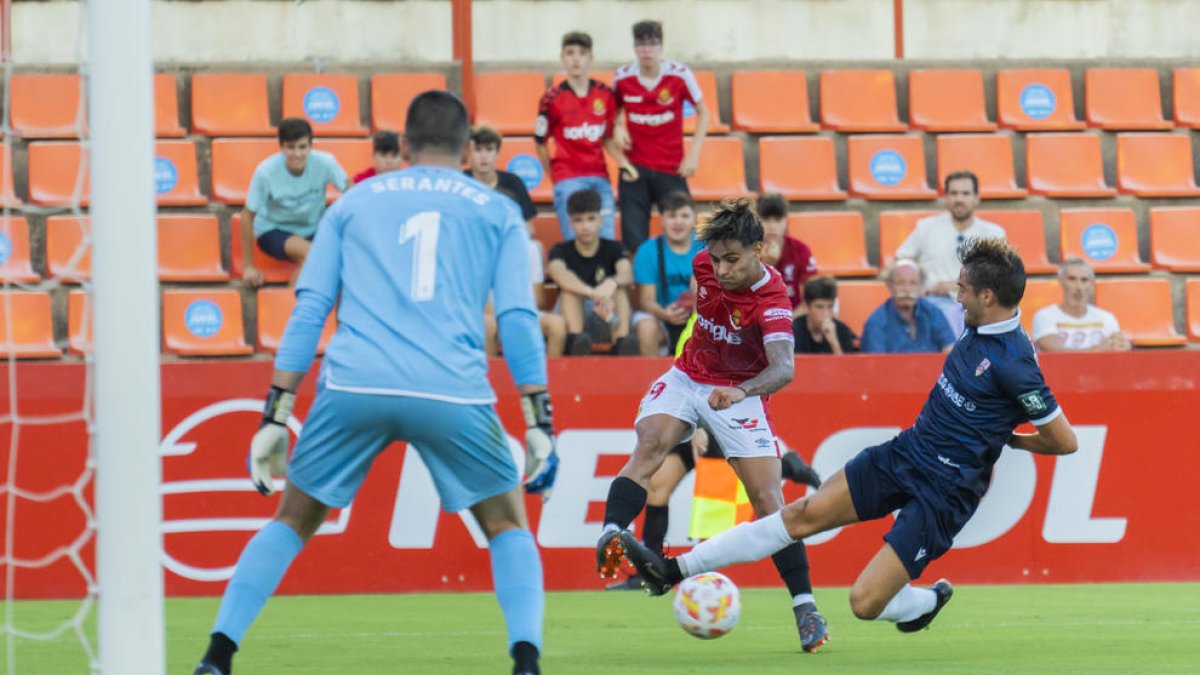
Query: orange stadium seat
(1124, 99)
(722, 172)
(604, 76)
(230, 104)
(836, 239)
(352, 154)
(799, 167)
(166, 107)
(8, 195)
(1174, 245)
(1036, 100)
(47, 106)
(79, 322)
(391, 94)
(859, 101)
(894, 228)
(203, 323)
(1039, 293)
(856, 301)
(274, 308)
(888, 167)
(328, 102)
(1185, 83)
(989, 156)
(233, 163)
(508, 101)
(519, 156)
(947, 101)
(54, 169)
(176, 181)
(1193, 309)
(189, 249)
(771, 102)
(15, 265)
(1065, 165)
(1156, 165)
(1106, 238)
(64, 240)
(274, 271)
(707, 80)
(32, 334)
(547, 231)
(1026, 231)
(1143, 308)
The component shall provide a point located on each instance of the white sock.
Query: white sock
(745, 543)
(609, 527)
(802, 599)
(908, 604)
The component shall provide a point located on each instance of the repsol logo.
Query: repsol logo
(652, 120)
(718, 332)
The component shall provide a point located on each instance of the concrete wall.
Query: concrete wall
(415, 33)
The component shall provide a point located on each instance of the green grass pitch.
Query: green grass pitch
(1102, 628)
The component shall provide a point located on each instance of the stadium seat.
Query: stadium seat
(274, 271)
(547, 231)
(836, 239)
(176, 181)
(888, 167)
(352, 154)
(391, 94)
(230, 104)
(989, 156)
(707, 80)
(854, 101)
(722, 172)
(1065, 165)
(233, 164)
(1036, 100)
(507, 101)
(1106, 238)
(857, 299)
(166, 107)
(329, 102)
(771, 102)
(54, 171)
(1156, 165)
(605, 76)
(894, 228)
(519, 156)
(799, 167)
(32, 322)
(79, 322)
(947, 101)
(64, 240)
(1026, 231)
(203, 323)
(15, 265)
(1143, 308)
(1124, 99)
(1174, 244)
(47, 106)
(1039, 293)
(8, 195)
(189, 249)
(274, 309)
(1193, 309)
(1185, 85)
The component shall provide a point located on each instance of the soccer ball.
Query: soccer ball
(707, 605)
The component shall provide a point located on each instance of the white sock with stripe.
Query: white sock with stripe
(910, 603)
(745, 543)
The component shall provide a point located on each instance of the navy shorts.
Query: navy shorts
(882, 480)
(271, 242)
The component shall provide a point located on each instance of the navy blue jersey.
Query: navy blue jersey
(990, 384)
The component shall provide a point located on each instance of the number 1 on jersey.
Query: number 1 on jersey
(424, 228)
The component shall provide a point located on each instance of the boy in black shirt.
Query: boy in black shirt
(485, 147)
(817, 332)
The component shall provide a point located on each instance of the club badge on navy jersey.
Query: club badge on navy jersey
(983, 366)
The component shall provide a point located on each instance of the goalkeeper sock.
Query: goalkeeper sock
(517, 578)
(259, 569)
(907, 604)
(625, 501)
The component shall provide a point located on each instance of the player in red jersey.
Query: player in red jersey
(740, 352)
(653, 95)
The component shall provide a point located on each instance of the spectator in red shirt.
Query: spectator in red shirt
(579, 115)
(385, 155)
(653, 95)
(789, 255)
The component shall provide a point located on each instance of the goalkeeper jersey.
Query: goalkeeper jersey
(409, 258)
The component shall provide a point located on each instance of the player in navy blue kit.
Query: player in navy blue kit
(934, 472)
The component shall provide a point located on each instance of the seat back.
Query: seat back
(1026, 231)
(32, 336)
(707, 80)
(507, 101)
(1036, 100)
(1143, 308)
(1039, 293)
(189, 248)
(15, 264)
(1156, 165)
(856, 301)
(859, 101)
(230, 104)
(80, 317)
(799, 167)
(947, 101)
(888, 167)
(771, 102)
(1185, 97)
(894, 228)
(1065, 165)
(203, 323)
(988, 156)
(67, 257)
(47, 106)
(393, 92)
(8, 195)
(1105, 238)
(274, 308)
(329, 102)
(1123, 98)
(166, 107)
(837, 241)
(1174, 245)
(1193, 309)
(352, 154)
(274, 271)
(55, 174)
(176, 176)
(233, 163)
(722, 171)
(519, 156)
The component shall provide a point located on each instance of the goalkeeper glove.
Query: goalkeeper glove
(269, 447)
(541, 456)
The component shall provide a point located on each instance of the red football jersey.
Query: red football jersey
(728, 343)
(578, 126)
(654, 116)
(796, 265)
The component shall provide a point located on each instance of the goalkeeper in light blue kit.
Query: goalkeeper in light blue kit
(409, 258)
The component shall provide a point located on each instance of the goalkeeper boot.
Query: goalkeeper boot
(650, 566)
(797, 470)
(944, 591)
(206, 668)
(810, 623)
(609, 551)
(525, 659)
